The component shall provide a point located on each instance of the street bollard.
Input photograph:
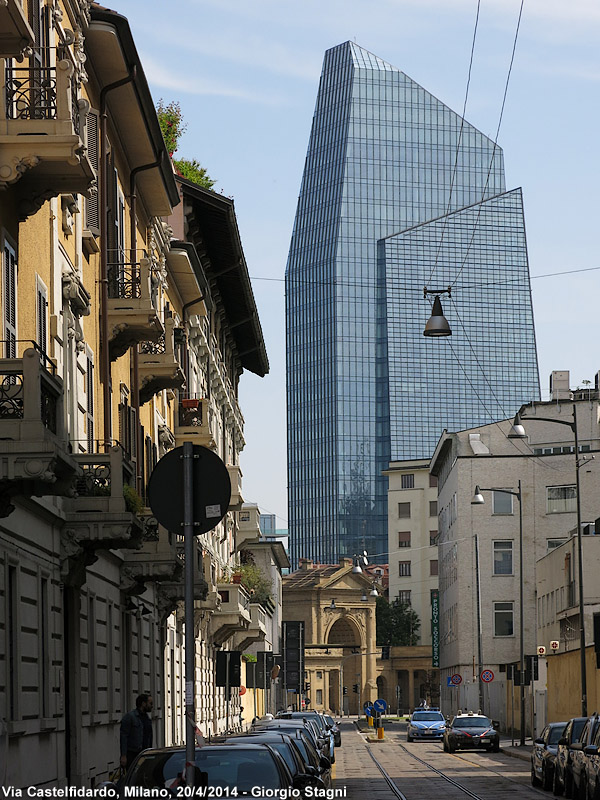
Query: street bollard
(370, 720)
(380, 733)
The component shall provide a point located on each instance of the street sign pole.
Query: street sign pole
(190, 665)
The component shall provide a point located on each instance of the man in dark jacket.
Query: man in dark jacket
(136, 730)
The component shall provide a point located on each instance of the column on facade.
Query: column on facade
(411, 689)
(326, 691)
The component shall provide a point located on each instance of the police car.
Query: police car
(467, 731)
(425, 723)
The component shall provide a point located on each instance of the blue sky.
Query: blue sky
(246, 74)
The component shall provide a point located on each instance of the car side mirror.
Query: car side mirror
(539, 741)
(563, 740)
(591, 750)
(324, 763)
(495, 723)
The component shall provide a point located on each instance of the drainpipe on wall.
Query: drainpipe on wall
(103, 161)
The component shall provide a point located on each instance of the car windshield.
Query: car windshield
(228, 768)
(555, 734)
(471, 722)
(427, 716)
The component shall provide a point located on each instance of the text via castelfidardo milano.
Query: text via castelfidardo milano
(216, 792)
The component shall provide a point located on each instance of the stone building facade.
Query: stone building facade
(120, 340)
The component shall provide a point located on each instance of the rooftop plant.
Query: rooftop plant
(172, 126)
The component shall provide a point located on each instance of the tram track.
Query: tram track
(457, 785)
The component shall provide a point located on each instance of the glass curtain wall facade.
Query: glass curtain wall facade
(384, 156)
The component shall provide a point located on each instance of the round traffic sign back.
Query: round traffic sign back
(211, 490)
(367, 704)
(456, 679)
(487, 676)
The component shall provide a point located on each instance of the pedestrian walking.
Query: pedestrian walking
(136, 730)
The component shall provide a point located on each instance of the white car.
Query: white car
(425, 723)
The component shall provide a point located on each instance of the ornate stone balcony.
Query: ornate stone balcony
(132, 317)
(256, 631)
(158, 366)
(234, 615)
(235, 475)
(195, 423)
(34, 450)
(157, 561)
(43, 147)
(104, 516)
(15, 33)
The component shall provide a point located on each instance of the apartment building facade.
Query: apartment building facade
(412, 539)
(120, 341)
(482, 577)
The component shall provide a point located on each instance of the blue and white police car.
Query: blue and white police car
(425, 723)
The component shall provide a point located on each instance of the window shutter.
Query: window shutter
(92, 204)
(42, 317)
(89, 393)
(10, 301)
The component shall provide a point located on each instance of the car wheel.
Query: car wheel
(445, 747)
(546, 779)
(495, 748)
(409, 738)
(557, 787)
(451, 749)
(534, 778)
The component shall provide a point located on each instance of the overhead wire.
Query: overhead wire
(487, 181)
(460, 133)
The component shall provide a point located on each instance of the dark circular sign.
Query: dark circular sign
(211, 489)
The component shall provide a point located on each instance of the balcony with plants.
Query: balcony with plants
(159, 367)
(43, 137)
(33, 441)
(195, 422)
(132, 314)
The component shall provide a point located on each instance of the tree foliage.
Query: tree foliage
(170, 118)
(259, 586)
(397, 623)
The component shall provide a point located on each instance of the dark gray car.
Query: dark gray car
(543, 754)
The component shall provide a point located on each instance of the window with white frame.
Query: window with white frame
(404, 596)
(319, 697)
(404, 569)
(552, 544)
(503, 619)
(502, 502)
(503, 557)
(561, 499)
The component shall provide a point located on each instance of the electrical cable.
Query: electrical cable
(512, 58)
(460, 133)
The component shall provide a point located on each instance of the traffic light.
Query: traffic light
(345, 690)
(355, 688)
(306, 686)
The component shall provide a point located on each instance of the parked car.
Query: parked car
(590, 780)
(543, 755)
(320, 743)
(309, 752)
(469, 731)
(288, 750)
(242, 769)
(335, 729)
(578, 756)
(318, 720)
(425, 724)
(563, 776)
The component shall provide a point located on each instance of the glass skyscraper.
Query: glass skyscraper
(398, 193)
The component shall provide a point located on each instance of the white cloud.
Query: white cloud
(159, 76)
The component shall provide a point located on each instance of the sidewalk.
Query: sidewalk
(516, 751)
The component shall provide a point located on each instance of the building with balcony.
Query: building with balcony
(120, 340)
(481, 577)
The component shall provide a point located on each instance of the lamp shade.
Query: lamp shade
(437, 324)
(517, 430)
(477, 498)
